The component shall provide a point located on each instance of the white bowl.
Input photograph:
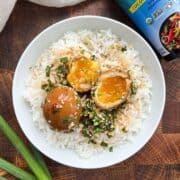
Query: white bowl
(42, 42)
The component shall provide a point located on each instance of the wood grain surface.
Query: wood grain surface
(158, 160)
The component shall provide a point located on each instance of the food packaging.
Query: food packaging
(159, 20)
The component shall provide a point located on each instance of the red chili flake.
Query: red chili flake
(55, 108)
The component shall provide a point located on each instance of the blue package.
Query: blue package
(159, 20)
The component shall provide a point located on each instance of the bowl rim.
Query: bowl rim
(146, 140)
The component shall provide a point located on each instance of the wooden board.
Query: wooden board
(159, 159)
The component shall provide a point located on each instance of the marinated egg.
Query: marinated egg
(112, 89)
(83, 74)
(62, 108)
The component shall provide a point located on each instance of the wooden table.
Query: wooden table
(159, 159)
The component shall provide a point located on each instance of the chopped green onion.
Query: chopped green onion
(44, 86)
(3, 178)
(15, 171)
(85, 113)
(65, 82)
(48, 69)
(124, 130)
(133, 88)
(92, 141)
(123, 49)
(109, 134)
(114, 114)
(64, 60)
(67, 120)
(55, 108)
(93, 123)
(86, 133)
(104, 144)
(20, 146)
(97, 130)
(93, 57)
(129, 72)
(111, 149)
(61, 69)
(48, 87)
(124, 104)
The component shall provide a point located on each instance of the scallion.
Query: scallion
(15, 171)
(20, 146)
(67, 120)
(3, 178)
(40, 160)
(48, 69)
(104, 144)
(64, 60)
(133, 88)
(124, 49)
(111, 149)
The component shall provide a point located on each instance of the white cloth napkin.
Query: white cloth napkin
(6, 7)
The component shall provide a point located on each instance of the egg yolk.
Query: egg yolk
(112, 89)
(83, 74)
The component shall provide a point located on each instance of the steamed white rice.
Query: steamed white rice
(105, 46)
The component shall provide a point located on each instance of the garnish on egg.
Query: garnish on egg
(112, 89)
(83, 74)
(61, 109)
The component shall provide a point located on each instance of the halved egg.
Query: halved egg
(83, 74)
(62, 108)
(113, 88)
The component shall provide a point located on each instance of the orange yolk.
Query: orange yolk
(83, 74)
(112, 89)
